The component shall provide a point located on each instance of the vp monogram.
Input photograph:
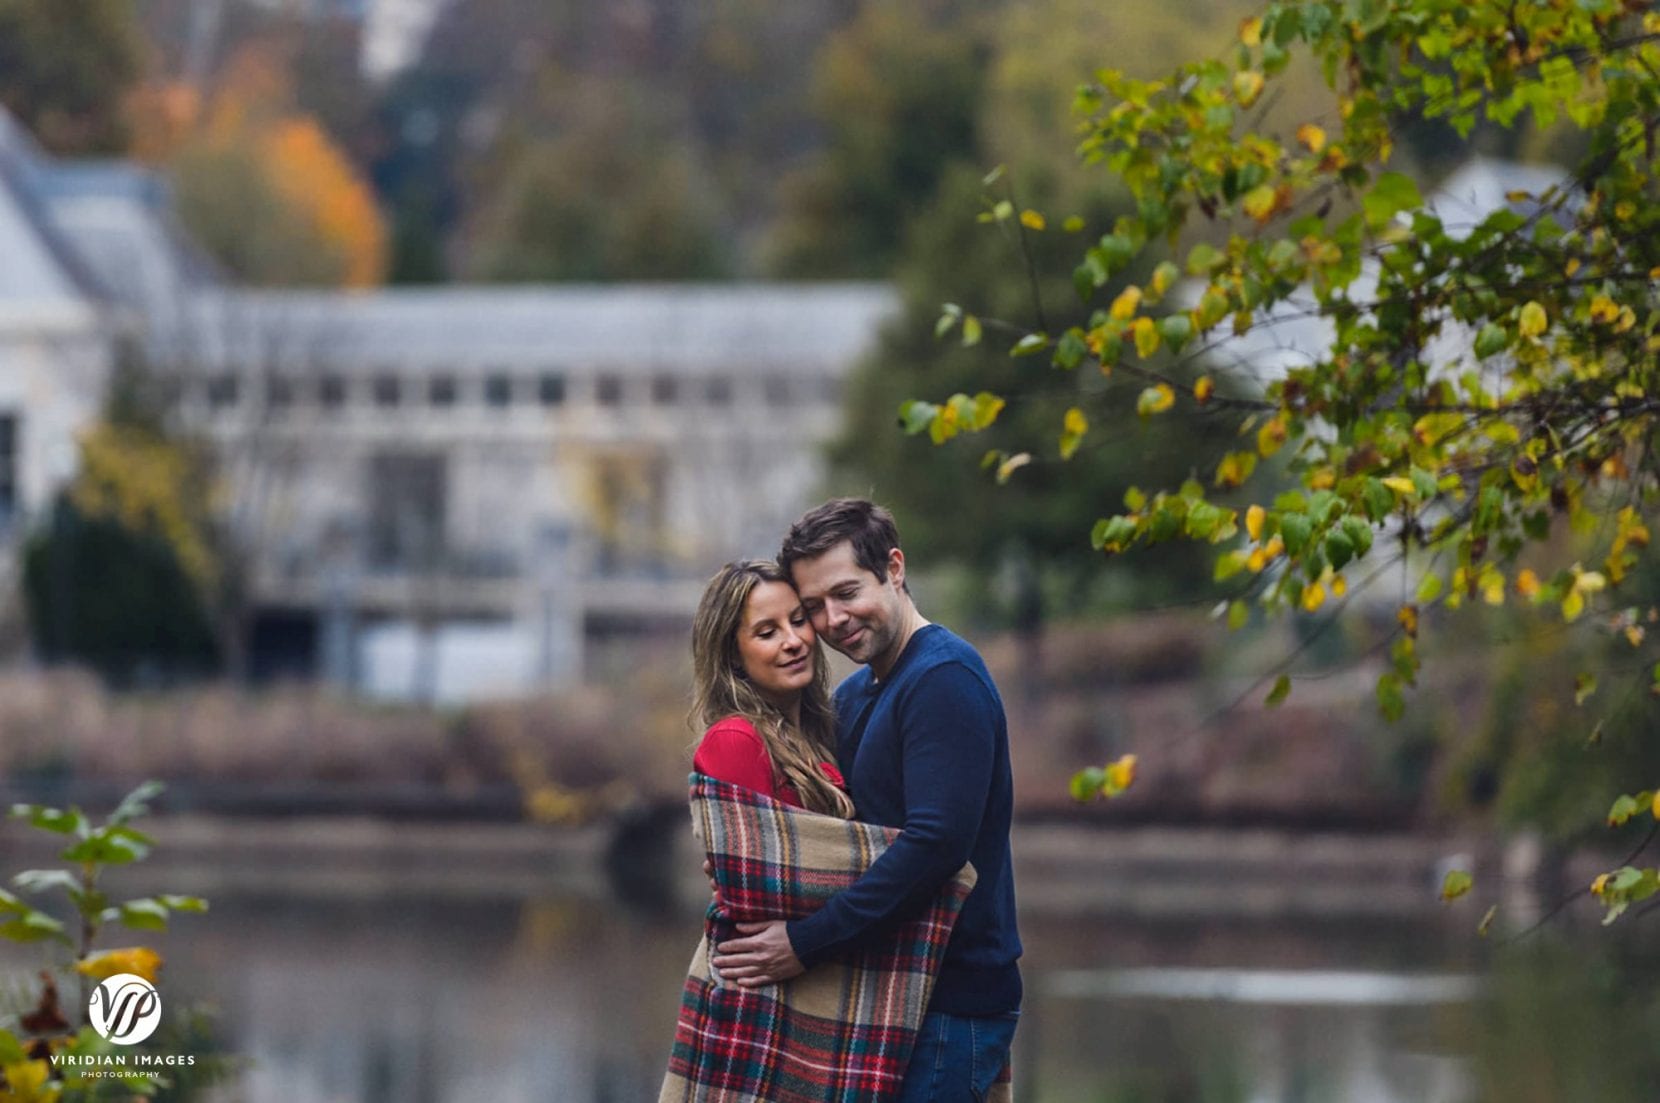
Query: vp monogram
(125, 1008)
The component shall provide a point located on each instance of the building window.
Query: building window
(665, 390)
(777, 390)
(441, 390)
(222, 391)
(331, 392)
(9, 453)
(387, 391)
(717, 391)
(498, 390)
(407, 492)
(608, 390)
(279, 392)
(550, 389)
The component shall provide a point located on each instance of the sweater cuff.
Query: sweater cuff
(806, 940)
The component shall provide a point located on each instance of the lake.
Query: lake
(468, 987)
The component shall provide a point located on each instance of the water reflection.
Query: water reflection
(568, 995)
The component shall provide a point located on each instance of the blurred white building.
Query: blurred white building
(443, 492)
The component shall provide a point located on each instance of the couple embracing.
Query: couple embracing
(862, 942)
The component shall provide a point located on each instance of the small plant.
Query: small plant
(44, 1054)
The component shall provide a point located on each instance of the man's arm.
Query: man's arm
(949, 747)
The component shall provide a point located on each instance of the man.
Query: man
(922, 741)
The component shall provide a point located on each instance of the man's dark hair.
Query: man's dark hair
(866, 525)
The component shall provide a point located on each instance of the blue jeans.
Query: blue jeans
(957, 1057)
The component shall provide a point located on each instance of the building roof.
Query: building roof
(801, 329)
(42, 282)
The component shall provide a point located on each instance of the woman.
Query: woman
(762, 691)
(844, 1029)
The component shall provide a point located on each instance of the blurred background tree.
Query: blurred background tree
(66, 68)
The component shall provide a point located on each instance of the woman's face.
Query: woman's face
(775, 643)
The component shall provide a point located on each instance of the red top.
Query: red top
(732, 751)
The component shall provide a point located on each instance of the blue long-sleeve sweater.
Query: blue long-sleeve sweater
(927, 750)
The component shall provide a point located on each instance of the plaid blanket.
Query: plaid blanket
(843, 1031)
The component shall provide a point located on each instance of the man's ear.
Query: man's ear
(896, 567)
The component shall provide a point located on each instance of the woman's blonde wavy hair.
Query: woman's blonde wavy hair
(721, 689)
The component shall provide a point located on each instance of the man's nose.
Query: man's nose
(834, 614)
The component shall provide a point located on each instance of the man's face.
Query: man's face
(854, 611)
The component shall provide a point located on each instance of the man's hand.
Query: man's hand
(763, 956)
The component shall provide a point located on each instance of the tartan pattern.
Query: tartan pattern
(843, 1031)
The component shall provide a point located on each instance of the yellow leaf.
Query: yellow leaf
(138, 960)
(1203, 388)
(1533, 320)
(1600, 885)
(1146, 337)
(1260, 202)
(1124, 306)
(1247, 86)
(1527, 583)
(1400, 484)
(1323, 479)
(1339, 586)
(1654, 805)
(1626, 320)
(1032, 220)
(1312, 137)
(1492, 588)
(1571, 267)
(1250, 32)
(1272, 435)
(1160, 398)
(1573, 605)
(1314, 596)
(1120, 775)
(1604, 310)
(1408, 616)
(26, 1083)
(1253, 521)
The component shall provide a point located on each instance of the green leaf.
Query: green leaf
(1029, 344)
(1086, 784)
(1339, 548)
(1281, 690)
(971, 330)
(109, 845)
(1624, 807)
(1238, 615)
(137, 802)
(1456, 883)
(1295, 529)
(1391, 700)
(11, 1050)
(1392, 194)
(1492, 339)
(143, 914)
(56, 820)
(915, 416)
(1229, 564)
(1203, 258)
(1585, 684)
(1070, 350)
(1429, 588)
(1176, 329)
(36, 881)
(950, 315)
(32, 926)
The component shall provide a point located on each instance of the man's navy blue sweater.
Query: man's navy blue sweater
(926, 750)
